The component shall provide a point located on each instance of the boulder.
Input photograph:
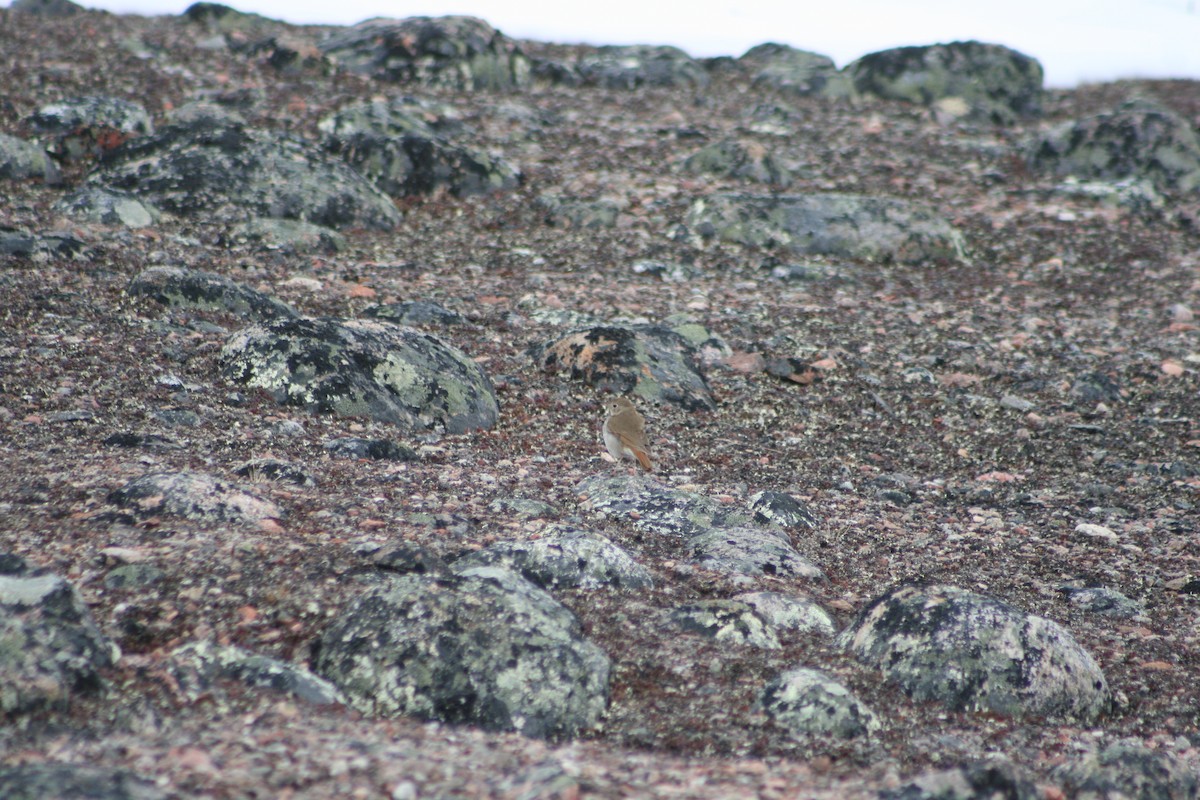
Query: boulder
(212, 166)
(992, 82)
(796, 72)
(454, 52)
(377, 370)
(807, 701)
(485, 647)
(852, 226)
(975, 653)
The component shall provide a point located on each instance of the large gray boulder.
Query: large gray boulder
(486, 647)
(404, 155)
(94, 125)
(20, 160)
(633, 66)
(52, 648)
(1128, 769)
(797, 72)
(453, 52)
(566, 557)
(212, 166)
(1137, 140)
(385, 372)
(853, 226)
(808, 701)
(193, 495)
(976, 653)
(653, 362)
(994, 82)
(177, 287)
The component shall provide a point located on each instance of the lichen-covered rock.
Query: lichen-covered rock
(414, 165)
(184, 288)
(486, 647)
(1106, 602)
(657, 509)
(785, 612)
(989, 779)
(108, 207)
(778, 508)
(386, 372)
(1128, 770)
(74, 781)
(797, 72)
(854, 226)
(415, 312)
(807, 701)
(40, 245)
(750, 551)
(213, 166)
(290, 236)
(733, 159)
(89, 126)
(579, 213)
(564, 556)
(197, 666)
(374, 449)
(46, 8)
(976, 653)
(726, 621)
(50, 648)
(454, 52)
(20, 160)
(652, 362)
(632, 66)
(994, 82)
(273, 469)
(1137, 140)
(192, 495)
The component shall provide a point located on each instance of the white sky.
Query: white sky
(1076, 40)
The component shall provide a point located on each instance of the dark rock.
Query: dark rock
(374, 449)
(975, 653)
(1095, 387)
(74, 782)
(12, 564)
(797, 72)
(728, 622)
(414, 312)
(1128, 769)
(453, 52)
(197, 666)
(150, 441)
(409, 558)
(486, 648)
(201, 167)
(807, 701)
(289, 236)
(632, 66)
(778, 508)
(21, 160)
(46, 8)
(874, 228)
(784, 612)
(108, 207)
(657, 509)
(381, 371)
(750, 551)
(582, 214)
(650, 361)
(41, 246)
(52, 647)
(133, 576)
(979, 780)
(733, 159)
(1106, 602)
(184, 288)
(192, 495)
(272, 469)
(1137, 140)
(994, 82)
(564, 557)
(80, 127)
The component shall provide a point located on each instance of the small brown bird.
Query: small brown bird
(625, 432)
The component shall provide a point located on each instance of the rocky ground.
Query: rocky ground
(1018, 421)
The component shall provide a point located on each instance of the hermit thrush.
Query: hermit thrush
(625, 432)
